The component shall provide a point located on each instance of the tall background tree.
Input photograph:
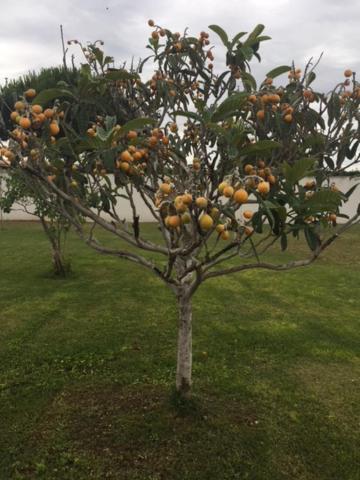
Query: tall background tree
(240, 147)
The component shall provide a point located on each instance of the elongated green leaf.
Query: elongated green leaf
(50, 94)
(351, 190)
(248, 81)
(255, 33)
(262, 146)
(294, 173)
(237, 38)
(312, 238)
(278, 71)
(229, 106)
(136, 124)
(221, 33)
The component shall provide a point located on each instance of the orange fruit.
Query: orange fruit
(165, 188)
(25, 122)
(36, 109)
(228, 191)
(249, 231)
(348, 72)
(19, 106)
(14, 116)
(132, 134)
(263, 187)
(225, 235)
(124, 166)
(30, 93)
(206, 222)
(241, 196)
(173, 221)
(54, 128)
(252, 98)
(288, 118)
(187, 198)
(155, 35)
(260, 115)
(126, 156)
(248, 214)
(151, 23)
(49, 113)
(248, 169)
(91, 132)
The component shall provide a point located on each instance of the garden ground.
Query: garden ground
(87, 367)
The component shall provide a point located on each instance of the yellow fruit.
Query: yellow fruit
(225, 235)
(185, 218)
(206, 222)
(214, 212)
(201, 202)
(91, 132)
(288, 118)
(14, 116)
(263, 187)
(165, 188)
(248, 214)
(241, 196)
(228, 191)
(180, 207)
(220, 228)
(221, 187)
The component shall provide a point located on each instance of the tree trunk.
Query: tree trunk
(184, 348)
(60, 267)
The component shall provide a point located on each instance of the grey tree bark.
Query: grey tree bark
(184, 347)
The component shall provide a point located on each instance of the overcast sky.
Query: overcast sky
(29, 34)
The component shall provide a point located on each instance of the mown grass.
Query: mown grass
(87, 369)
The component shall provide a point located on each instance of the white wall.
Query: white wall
(124, 210)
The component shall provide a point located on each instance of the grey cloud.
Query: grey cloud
(299, 29)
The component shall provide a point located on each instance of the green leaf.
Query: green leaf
(310, 78)
(237, 38)
(294, 173)
(351, 190)
(50, 94)
(262, 146)
(137, 123)
(323, 201)
(230, 106)
(312, 238)
(255, 33)
(278, 71)
(248, 81)
(221, 33)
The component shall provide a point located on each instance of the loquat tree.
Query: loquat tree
(21, 193)
(218, 160)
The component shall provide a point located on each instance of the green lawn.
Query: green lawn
(87, 368)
